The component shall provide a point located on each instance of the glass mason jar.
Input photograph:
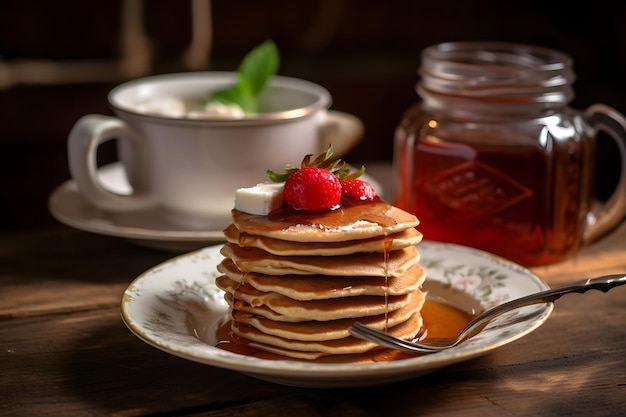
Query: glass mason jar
(494, 158)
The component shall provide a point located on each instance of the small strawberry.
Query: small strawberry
(357, 189)
(315, 185)
(312, 188)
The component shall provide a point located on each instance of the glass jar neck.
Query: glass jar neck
(495, 78)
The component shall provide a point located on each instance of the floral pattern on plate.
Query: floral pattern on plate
(158, 304)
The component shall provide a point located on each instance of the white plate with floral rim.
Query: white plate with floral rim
(159, 305)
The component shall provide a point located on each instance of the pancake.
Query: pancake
(349, 222)
(315, 349)
(311, 287)
(261, 311)
(322, 310)
(394, 264)
(408, 237)
(328, 330)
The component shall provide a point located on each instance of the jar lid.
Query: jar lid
(497, 71)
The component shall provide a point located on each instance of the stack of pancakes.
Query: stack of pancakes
(296, 282)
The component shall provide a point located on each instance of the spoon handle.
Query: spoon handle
(603, 284)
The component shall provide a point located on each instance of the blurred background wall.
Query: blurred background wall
(59, 59)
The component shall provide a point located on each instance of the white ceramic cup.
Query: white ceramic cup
(189, 168)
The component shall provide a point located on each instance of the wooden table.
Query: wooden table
(64, 350)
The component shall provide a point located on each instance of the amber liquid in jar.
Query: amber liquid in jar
(522, 201)
(492, 157)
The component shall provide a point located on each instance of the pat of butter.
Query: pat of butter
(260, 199)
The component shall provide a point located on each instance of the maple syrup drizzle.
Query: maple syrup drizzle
(387, 241)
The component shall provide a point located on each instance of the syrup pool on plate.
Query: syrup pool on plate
(441, 320)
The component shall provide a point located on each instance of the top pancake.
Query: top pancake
(348, 222)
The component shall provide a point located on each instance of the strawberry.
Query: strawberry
(312, 188)
(315, 185)
(357, 189)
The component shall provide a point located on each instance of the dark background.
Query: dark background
(365, 52)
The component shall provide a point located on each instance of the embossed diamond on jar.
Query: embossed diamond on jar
(473, 188)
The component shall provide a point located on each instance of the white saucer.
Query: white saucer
(147, 227)
(160, 304)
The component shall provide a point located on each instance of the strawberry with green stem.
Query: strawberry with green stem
(321, 183)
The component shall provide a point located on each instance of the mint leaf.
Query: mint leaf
(253, 74)
(258, 66)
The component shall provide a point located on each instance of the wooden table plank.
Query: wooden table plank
(61, 269)
(61, 364)
(64, 350)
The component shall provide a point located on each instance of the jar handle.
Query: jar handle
(604, 217)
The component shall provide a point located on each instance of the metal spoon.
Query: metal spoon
(603, 284)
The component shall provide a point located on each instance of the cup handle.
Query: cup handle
(87, 134)
(604, 217)
(342, 130)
